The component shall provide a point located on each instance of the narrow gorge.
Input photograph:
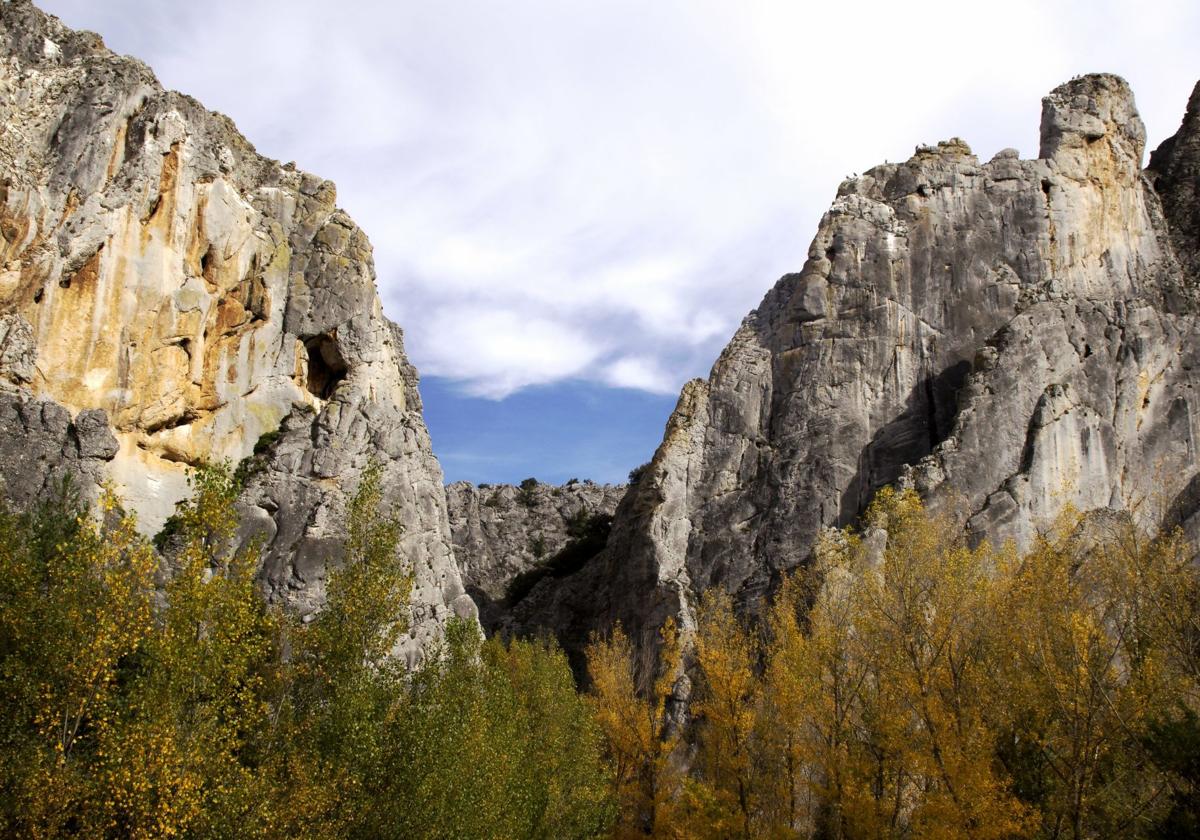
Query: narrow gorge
(1008, 337)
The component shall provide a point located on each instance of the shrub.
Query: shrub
(636, 474)
(265, 441)
(527, 492)
(537, 546)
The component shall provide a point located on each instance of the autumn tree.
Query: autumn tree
(135, 690)
(724, 798)
(76, 605)
(910, 683)
(196, 694)
(1098, 665)
(639, 735)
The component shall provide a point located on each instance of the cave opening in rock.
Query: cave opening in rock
(326, 367)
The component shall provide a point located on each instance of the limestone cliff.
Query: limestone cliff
(501, 532)
(1010, 336)
(183, 298)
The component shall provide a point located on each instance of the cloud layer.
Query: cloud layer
(569, 190)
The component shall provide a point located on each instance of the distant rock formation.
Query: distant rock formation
(167, 296)
(1009, 337)
(501, 532)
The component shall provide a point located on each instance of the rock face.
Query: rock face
(1008, 336)
(501, 531)
(181, 297)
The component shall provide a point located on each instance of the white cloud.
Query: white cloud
(602, 190)
(496, 352)
(641, 373)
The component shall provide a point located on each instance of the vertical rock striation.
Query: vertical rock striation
(185, 299)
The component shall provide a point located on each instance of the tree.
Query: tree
(75, 604)
(494, 742)
(135, 691)
(639, 736)
(1101, 665)
(728, 709)
(188, 738)
(342, 684)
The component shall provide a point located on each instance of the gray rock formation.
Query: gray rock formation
(181, 296)
(501, 531)
(42, 447)
(1011, 336)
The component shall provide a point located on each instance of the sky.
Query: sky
(573, 204)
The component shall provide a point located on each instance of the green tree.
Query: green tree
(342, 684)
(493, 742)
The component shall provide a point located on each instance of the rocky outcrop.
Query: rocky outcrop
(1175, 172)
(501, 531)
(160, 279)
(1010, 336)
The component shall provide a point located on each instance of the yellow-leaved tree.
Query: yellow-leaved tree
(146, 682)
(639, 734)
(723, 799)
(76, 606)
(913, 684)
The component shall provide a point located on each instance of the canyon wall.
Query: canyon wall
(501, 532)
(169, 296)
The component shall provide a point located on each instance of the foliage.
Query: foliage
(148, 696)
(494, 742)
(910, 684)
(265, 441)
(132, 704)
(1173, 743)
(640, 736)
(635, 474)
(341, 683)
